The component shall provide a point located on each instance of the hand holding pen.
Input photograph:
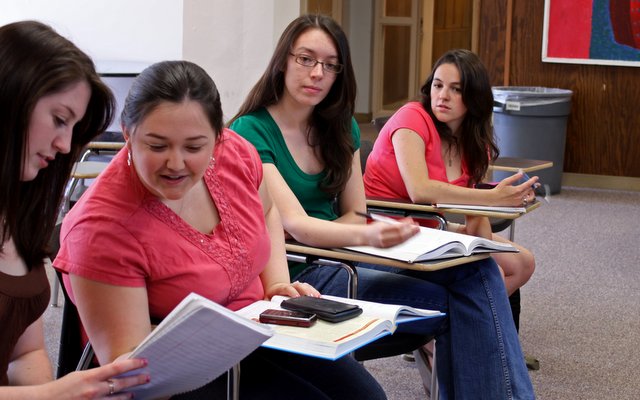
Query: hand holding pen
(389, 231)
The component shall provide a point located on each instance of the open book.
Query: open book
(334, 340)
(197, 342)
(434, 244)
(503, 209)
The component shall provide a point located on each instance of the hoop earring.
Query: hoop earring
(129, 157)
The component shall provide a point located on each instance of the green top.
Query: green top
(261, 130)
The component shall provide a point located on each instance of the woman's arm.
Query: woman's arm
(116, 318)
(353, 199)
(29, 362)
(30, 374)
(275, 276)
(409, 148)
(317, 232)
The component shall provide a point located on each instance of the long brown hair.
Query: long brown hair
(36, 62)
(476, 141)
(331, 118)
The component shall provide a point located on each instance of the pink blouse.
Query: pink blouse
(382, 176)
(119, 233)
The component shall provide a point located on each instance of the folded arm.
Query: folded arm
(409, 148)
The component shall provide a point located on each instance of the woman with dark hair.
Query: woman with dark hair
(299, 116)
(52, 103)
(436, 150)
(183, 208)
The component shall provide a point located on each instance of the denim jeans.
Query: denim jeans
(478, 350)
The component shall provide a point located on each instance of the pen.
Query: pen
(378, 217)
(525, 178)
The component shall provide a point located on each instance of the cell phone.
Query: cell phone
(287, 317)
(486, 185)
(325, 309)
(523, 179)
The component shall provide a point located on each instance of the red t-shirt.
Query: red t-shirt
(382, 177)
(119, 233)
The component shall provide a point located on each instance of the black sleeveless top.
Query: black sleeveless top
(23, 299)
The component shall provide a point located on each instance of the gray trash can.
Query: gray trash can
(531, 122)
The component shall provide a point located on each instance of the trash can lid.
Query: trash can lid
(530, 95)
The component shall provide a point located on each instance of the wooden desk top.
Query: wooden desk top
(408, 206)
(352, 256)
(513, 164)
(105, 145)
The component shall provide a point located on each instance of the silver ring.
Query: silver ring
(112, 386)
(524, 201)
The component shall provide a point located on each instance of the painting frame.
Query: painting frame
(596, 32)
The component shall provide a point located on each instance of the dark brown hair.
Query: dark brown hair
(36, 62)
(174, 82)
(331, 118)
(476, 140)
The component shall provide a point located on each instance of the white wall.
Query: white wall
(360, 28)
(131, 30)
(233, 41)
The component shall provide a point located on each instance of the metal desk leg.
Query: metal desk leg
(233, 383)
(352, 287)
(55, 291)
(512, 230)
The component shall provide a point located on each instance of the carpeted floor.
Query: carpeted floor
(580, 311)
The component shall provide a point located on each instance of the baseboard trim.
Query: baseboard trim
(601, 181)
(363, 118)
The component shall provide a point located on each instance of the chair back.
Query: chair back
(379, 122)
(365, 149)
(70, 349)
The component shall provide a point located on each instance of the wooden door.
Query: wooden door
(395, 54)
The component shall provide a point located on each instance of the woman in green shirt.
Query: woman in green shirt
(299, 116)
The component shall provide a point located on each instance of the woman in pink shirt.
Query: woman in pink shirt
(436, 150)
(184, 208)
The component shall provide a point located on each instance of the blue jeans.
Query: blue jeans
(478, 350)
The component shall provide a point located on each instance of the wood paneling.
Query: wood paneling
(603, 132)
(451, 26)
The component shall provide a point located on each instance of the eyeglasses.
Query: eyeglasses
(311, 62)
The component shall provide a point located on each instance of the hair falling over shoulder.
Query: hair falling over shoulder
(331, 118)
(47, 63)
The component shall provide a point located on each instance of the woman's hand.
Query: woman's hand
(385, 234)
(294, 289)
(98, 383)
(506, 194)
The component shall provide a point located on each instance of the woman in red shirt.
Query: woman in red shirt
(436, 150)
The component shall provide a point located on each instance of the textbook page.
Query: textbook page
(197, 342)
(333, 340)
(503, 209)
(433, 244)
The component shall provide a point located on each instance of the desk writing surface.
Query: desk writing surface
(352, 256)
(105, 145)
(514, 164)
(408, 206)
(88, 169)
